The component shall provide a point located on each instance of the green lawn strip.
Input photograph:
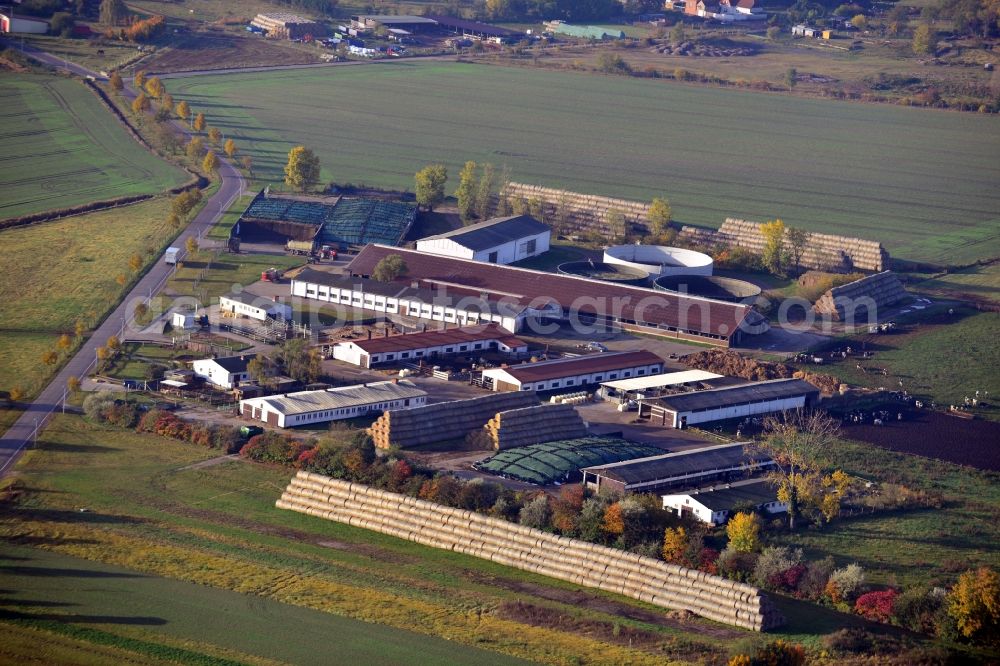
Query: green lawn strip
(62, 149)
(555, 128)
(207, 275)
(923, 546)
(113, 606)
(45, 298)
(24, 643)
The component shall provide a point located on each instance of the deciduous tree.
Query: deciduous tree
(797, 240)
(121, 279)
(429, 185)
(140, 311)
(139, 80)
(195, 148)
(465, 194)
(659, 216)
(798, 444)
(743, 531)
(135, 262)
(229, 147)
(141, 104)
(199, 122)
(65, 342)
(16, 394)
(113, 12)
(183, 111)
(389, 268)
(154, 86)
(79, 328)
(247, 163)
(115, 82)
(50, 358)
(302, 169)
(211, 162)
(191, 245)
(773, 255)
(167, 102)
(73, 383)
(485, 191)
(925, 39)
(974, 604)
(214, 134)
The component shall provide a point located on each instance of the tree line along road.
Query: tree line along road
(22, 432)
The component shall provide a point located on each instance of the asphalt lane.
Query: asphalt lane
(21, 434)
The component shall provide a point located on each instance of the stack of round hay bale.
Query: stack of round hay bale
(580, 562)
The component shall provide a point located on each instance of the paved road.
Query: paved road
(18, 436)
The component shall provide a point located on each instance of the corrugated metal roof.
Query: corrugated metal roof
(658, 381)
(681, 463)
(581, 365)
(586, 296)
(773, 389)
(494, 232)
(437, 338)
(305, 402)
(721, 498)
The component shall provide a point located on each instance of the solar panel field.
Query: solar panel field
(925, 183)
(61, 148)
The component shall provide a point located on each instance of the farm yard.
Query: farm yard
(838, 167)
(45, 298)
(62, 149)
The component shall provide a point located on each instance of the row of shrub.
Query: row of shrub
(105, 408)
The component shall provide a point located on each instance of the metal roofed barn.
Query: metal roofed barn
(576, 371)
(501, 240)
(626, 307)
(305, 407)
(681, 469)
(560, 461)
(775, 395)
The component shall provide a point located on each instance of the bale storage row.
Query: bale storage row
(582, 212)
(882, 290)
(822, 252)
(533, 425)
(580, 562)
(443, 421)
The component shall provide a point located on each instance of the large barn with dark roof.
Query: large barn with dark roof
(574, 299)
(501, 240)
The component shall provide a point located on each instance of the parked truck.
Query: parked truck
(304, 248)
(171, 255)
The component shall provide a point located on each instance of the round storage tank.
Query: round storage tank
(713, 286)
(659, 259)
(602, 271)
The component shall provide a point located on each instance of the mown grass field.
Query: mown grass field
(925, 183)
(142, 617)
(977, 282)
(151, 512)
(62, 148)
(62, 271)
(208, 275)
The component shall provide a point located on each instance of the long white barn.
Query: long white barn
(308, 407)
(501, 240)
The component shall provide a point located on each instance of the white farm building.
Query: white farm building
(572, 373)
(414, 347)
(308, 407)
(731, 402)
(501, 240)
(715, 504)
(254, 307)
(227, 372)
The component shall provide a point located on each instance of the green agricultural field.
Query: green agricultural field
(62, 271)
(208, 274)
(149, 617)
(976, 282)
(63, 148)
(925, 183)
